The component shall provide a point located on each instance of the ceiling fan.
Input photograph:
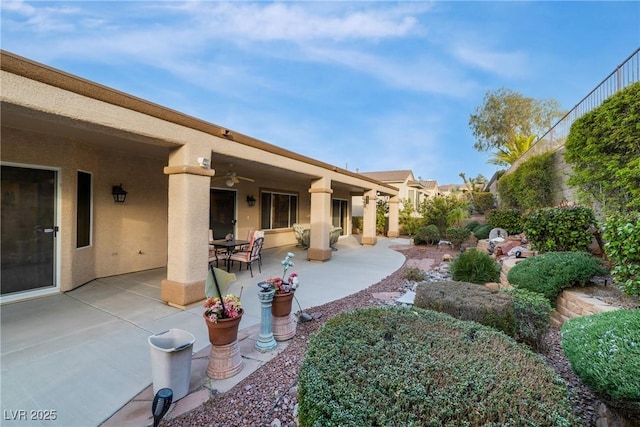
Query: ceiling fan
(230, 179)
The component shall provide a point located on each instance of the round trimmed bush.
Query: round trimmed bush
(551, 272)
(475, 267)
(403, 367)
(429, 235)
(482, 232)
(604, 350)
(472, 226)
(457, 236)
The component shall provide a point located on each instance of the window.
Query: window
(279, 210)
(83, 213)
(412, 196)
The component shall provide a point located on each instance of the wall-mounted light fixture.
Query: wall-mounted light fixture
(204, 162)
(251, 201)
(118, 193)
(366, 200)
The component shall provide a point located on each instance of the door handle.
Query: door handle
(53, 230)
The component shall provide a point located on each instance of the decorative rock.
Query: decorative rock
(492, 286)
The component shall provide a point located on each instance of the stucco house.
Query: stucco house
(430, 187)
(71, 148)
(408, 187)
(449, 189)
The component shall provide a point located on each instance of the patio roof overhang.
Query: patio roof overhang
(249, 156)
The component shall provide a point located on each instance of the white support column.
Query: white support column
(394, 217)
(319, 249)
(369, 218)
(188, 238)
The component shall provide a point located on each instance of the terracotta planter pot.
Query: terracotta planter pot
(224, 331)
(281, 305)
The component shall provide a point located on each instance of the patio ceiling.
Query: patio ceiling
(32, 120)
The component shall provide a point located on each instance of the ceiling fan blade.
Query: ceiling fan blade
(234, 179)
(244, 178)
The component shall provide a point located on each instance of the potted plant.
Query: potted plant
(222, 315)
(284, 288)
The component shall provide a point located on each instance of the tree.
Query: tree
(439, 211)
(473, 185)
(512, 150)
(505, 114)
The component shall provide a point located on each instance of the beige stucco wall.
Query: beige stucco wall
(120, 231)
(165, 218)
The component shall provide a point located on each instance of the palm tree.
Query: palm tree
(512, 150)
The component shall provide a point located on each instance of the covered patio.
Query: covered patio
(68, 145)
(85, 353)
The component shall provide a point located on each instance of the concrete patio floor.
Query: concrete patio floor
(84, 355)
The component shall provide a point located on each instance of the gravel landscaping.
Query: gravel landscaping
(268, 397)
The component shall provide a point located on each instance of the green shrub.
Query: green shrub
(531, 185)
(531, 313)
(429, 235)
(551, 272)
(475, 267)
(442, 211)
(622, 233)
(382, 216)
(356, 222)
(468, 301)
(411, 367)
(413, 273)
(508, 219)
(457, 236)
(521, 314)
(483, 201)
(603, 151)
(471, 226)
(482, 232)
(604, 351)
(559, 229)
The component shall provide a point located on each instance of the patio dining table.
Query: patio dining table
(229, 245)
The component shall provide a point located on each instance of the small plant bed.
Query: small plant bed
(417, 367)
(475, 267)
(520, 314)
(604, 350)
(269, 395)
(551, 272)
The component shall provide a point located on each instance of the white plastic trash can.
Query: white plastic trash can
(171, 361)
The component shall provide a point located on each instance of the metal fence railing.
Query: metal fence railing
(624, 75)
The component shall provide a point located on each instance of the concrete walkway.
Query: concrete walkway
(82, 358)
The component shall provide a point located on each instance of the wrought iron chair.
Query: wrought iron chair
(215, 252)
(250, 256)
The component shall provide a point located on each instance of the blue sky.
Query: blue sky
(363, 85)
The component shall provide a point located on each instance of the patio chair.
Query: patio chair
(334, 235)
(301, 231)
(250, 237)
(215, 253)
(251, 256)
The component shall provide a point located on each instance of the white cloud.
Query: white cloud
(506, 64)
(304, 22)
(39, 19)
(425, 74)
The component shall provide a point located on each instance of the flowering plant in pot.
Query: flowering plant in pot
(284, 288)
(284, 284)
(227, 308)
(222, 313)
